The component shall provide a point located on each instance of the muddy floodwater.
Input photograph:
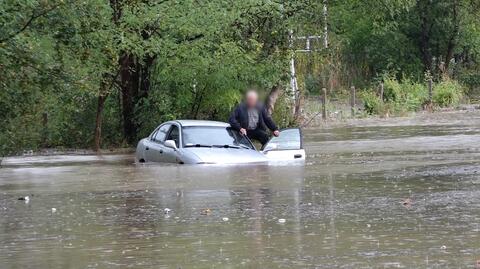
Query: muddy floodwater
(376, 194)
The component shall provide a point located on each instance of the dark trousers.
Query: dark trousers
(259, 135)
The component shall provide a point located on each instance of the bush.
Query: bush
(371, 102)
(405, 95)
(392, 90)
(312, 84)
(399, 97)
(416, 95)
(471, 80)
(447, 93)
(282, 114)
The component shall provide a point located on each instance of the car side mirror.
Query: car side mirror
(170, 144)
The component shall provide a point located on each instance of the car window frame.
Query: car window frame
(154, 134)
(251, 146)
(179, 134)
(284, 129)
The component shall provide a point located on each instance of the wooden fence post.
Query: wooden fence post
(381, 91)
(324, 104)
(352, 100)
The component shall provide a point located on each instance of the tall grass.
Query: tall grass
(405, 96)
(448, 93)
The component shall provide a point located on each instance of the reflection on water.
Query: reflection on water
(347, 207)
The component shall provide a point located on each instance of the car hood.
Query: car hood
(227, 155)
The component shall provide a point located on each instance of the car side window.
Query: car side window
(160, 135)
(174, 135)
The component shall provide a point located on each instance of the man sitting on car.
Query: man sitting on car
(251, 118)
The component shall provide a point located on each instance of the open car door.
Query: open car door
(288, 146)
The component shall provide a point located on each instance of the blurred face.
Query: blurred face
(251, 98)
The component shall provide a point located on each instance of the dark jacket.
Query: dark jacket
(239, 118)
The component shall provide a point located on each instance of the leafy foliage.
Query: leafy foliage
(405, 95)
(448, 93)
(371, 102)
(73, 71)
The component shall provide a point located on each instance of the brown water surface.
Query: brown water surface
(391, 195)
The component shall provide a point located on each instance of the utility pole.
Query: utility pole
(293, 75)
(307, 48)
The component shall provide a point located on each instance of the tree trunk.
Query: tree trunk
(134, 78)
(272, 98)
(134, 84)
(145, 75)
(129, 84)
(98, 120)
(425, 34)
(197, 103)
(452, 42)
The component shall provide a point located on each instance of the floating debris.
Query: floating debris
(443, 247)
(225, 219)
(54, 210)
(206, 211)
(167, 210)
(282, 220)
(26, 199)
(407, 203)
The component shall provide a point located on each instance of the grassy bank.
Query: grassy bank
(400, 98)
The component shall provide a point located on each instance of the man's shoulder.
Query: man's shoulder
(260, 106)
(241, 106)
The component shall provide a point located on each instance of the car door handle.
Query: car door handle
(297, 156)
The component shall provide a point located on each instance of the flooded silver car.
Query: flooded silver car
(402, 193)
(212, 142)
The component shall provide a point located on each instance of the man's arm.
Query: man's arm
(233, 120)
(269, 121)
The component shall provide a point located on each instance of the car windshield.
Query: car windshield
(210, 136)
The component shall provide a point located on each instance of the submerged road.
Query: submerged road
(399, 193)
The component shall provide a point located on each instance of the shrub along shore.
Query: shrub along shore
(400, 97)
(391, 98)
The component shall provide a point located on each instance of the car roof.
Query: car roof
(188, 123)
